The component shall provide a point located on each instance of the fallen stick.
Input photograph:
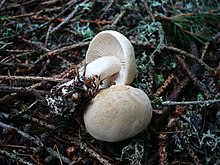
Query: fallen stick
(207, 102)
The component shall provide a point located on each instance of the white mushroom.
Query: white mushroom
(117, 113)
(111, 56)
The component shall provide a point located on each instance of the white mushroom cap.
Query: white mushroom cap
(114, 45)
(117, 113)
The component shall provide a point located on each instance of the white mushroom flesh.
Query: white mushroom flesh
(118, 113)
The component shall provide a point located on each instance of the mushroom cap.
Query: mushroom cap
(113, 43)
(118, 113)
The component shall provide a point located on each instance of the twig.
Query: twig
(69, 72)
(192, 154)
(2, 3)
(150, 81)
(66, 7)
(27, 136)
(207, 102)
(48, 35)
(167, 110)
(193, 49)
(38, 45)
(36, 93)
(188, 147)
(149, 12)
(16, 51)
(29, 90)
(15, 157)
(32, 78)
(86, 148)
(216, 36)
(8, 98)
(47, 10)
(164, 86)
(24, 15)
(17, 146)
(118, 18)
(27, 20)
(162, 149)
(57, 155)
(199, 61)
(142, 44)
(51, 2)
(61, 50)
(16, 65)
(35, 160)
(204, 51)
(14, 5)
(68, 18)
(40, 122)
(67, 48)
(97, 21)
(107, 7)
(193, 77)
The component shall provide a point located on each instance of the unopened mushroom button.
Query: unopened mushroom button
(111, 119)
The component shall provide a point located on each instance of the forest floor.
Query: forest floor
(177, 49)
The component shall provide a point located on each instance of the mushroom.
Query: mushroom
(110, 60)
(118, 113)
(111, 57)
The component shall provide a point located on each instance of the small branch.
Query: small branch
(149, 12)
(36, 44)
(118, 18)
(97, 21)
(30, 78)
(199, 61)
(51, 2)
(207, 102)
(205, 49)
(91, 152)
(17, 51)
(57, 155)
(15, 157)
(67, 48)
(48, 35)
(27, 136)
(40, 122)
(106, 9)
(163, 150)
(2, 3)
(41, 26)
(179, 89)
(3, 64)
(70, 71)
(17, 146)
(199, 84)
(36, 93)
(165, 84)
(61, 50)
(161, 122)
(24, 15)
(67, 20)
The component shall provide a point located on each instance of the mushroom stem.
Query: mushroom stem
(103, 67)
